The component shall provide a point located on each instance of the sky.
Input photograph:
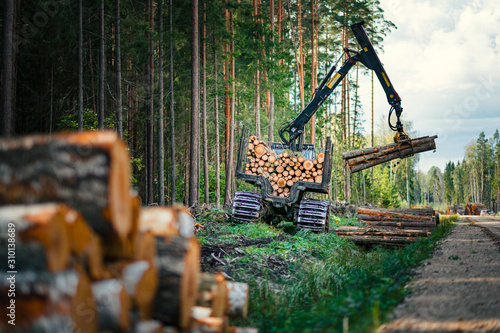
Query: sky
(444, 61)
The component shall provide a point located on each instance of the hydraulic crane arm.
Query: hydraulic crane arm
(368, 57)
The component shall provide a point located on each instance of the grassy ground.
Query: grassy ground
(307, 282)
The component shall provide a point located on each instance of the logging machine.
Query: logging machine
(307, 213)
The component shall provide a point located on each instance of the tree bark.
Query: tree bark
(204, 104)
(42, 241)
(54, 299)
(172, 110)
(217, 137)
(102, 66)
(161, 111)
(9, 41)
(271, 90)
(150, 109)
(194, 187)
(118, 64)
(178, 264)
(314, 64)
(80, 66)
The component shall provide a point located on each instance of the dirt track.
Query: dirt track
(458, 289)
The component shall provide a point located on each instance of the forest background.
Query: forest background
(179, 79)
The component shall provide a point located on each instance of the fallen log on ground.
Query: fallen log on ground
(361, 159)
(371, 236)
(395, 218)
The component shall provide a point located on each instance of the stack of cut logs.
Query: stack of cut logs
(473, 208)
(80, 255)
(282, 170)
(391, 226)
(455, 209)
(361, 159)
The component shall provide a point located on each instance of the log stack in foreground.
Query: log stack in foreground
(282, 170)
(361, 159)
(83, 262)
(392, 227)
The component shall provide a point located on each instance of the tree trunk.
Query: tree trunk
(102, 66)
(271, 90)
(301, 57)
(172, 109)
(229, 167)
(194, 187)
(118, 64)
(217, 138)
(9, 40)
(80, 66)
(204, 104)
(161, 111)
(89, 171)
(150, 109)
(314, 64)
(257, 78)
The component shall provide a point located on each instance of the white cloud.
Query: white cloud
(444, 61)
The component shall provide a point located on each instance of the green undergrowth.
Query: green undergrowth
(308, 282)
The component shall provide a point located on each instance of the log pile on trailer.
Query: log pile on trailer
(361, 159)
(392, 227)
(87, 258)
(473, 208)
(283, 170)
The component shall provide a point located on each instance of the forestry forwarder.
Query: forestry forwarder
(307, 213)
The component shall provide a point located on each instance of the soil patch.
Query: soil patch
(457, 290)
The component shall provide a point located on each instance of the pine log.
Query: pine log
(85, 246)
(321, 157)
(373, 240)
(212, 293)
(260, 150)
(123, 249)
(390, 214)
(360, 231)
(361, 159)
(40, 234)
(199, 312)
(237, 299)
(43, 297)
(113, 304)
(402, 224)
(140, 279)
(409, 218)
(166, 222)
(178, 264)
(88, 171)
(308, 165)
(145, 246)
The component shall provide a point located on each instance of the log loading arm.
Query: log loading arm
(368, 57)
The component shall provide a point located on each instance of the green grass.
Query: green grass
(306, 282)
